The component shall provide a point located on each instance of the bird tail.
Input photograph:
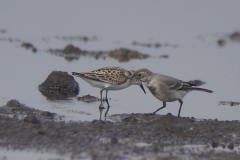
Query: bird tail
(201, 89)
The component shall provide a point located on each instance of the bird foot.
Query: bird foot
(149, 114)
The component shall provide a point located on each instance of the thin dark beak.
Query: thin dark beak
(142, 88)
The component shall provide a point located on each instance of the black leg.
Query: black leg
(106, 94)
(107, 98)
(164, 105)
(101, 97)
(100, 110)
(107, 111)
(181, 102)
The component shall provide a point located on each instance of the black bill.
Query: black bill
(142, 88)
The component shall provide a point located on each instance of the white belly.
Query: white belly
(107, 86)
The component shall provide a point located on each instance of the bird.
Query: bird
(109, 78)
(166, 88)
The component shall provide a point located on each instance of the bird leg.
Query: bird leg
(101, 105)
(107, 99)
(106, 112)
(100, 110)
(181, 102)
(164, 105)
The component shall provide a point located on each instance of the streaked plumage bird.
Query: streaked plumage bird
(109, 78)
(165, 88)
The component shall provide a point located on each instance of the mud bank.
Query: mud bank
(123, 136)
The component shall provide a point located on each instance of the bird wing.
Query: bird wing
(113, 75)
(170, 82)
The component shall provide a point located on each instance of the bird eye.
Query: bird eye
(139, 74)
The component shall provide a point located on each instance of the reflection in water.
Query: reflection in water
(88, 98)
(57, 94)
(101, 108)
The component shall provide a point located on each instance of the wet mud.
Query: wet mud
(88, 98)
(233, 37)
(230, 103)
(123, 136)
(77, 38)
(29, 46)
(124, 55)
(71, 52)
(155, 45)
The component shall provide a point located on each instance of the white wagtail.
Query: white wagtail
(165, 88)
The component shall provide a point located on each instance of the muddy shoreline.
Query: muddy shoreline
(122, 136)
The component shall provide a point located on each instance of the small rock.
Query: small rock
(13, 103)
(221, 42)
(88, 98)
(230, 146)
(114, 140)
(215, 144)
(48, 114)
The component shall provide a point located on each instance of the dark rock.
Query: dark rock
(230, 146)
(48, 114)
(215, 144)
(13, 103)
(114, 140)
(59, 85)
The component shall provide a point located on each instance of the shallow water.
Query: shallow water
(29, 155)
(189, 34)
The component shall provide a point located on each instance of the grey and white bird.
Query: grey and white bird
(165, 88)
